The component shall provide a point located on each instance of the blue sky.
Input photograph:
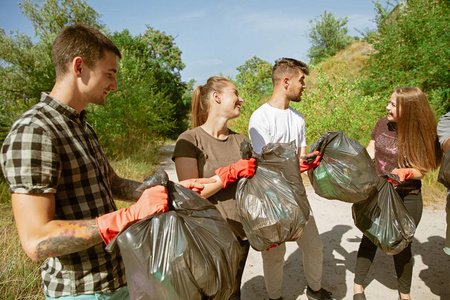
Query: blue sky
(219, 36)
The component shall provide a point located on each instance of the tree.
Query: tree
(150, 100)
(411, 49)
(254, 83)
(327, 35)
(26, 68)
(50, 16)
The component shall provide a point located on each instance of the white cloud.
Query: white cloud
(208, 62)
(191, 16)
(269, 22)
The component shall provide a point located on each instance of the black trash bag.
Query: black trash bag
(444, 171)
(384, 219)
(272, 205)
(345, 172)
(188, 252)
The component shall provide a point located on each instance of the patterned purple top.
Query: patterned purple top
(386, 154)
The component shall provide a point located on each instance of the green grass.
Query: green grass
(19, 276)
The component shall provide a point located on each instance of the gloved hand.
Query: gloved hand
(273, 246)
(196, 184)
(310, 161)
(403, 174)
(231, 173)
(153, 200)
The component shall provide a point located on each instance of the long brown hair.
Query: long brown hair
(200, 99)
(418, 144)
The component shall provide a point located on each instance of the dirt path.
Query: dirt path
(431, 279)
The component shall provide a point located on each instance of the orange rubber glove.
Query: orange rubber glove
(310, 161)
(231, 173)
(153, 200)
(196, 184)
(403, 174)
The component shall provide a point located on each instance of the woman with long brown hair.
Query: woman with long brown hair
(403, 143)
(211, 149)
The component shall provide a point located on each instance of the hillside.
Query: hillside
(347, 62)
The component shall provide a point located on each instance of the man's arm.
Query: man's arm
(124, 189)
(443, 131)
(301, 151)
(43, 237)
(446, 145)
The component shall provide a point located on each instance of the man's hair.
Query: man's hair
(287, 67)
(83, 41)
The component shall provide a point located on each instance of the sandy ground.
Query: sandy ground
(431, 278)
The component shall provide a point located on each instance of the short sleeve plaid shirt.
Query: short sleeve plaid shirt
(51, 149)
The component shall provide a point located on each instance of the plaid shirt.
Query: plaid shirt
(51, 149)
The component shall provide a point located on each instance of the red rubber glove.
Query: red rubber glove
(403, 174)
(310, 161)
(153, 200)
(273, 246)
(196, 184)
(231, 173)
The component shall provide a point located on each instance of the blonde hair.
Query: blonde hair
(418, 144)
(200, 99)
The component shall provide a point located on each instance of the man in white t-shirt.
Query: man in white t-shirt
(277, 122)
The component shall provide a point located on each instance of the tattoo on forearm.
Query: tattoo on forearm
(72, 236)
(125, 189)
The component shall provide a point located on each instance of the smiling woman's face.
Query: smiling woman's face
(392, 110)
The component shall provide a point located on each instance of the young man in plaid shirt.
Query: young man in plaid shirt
(62, 185)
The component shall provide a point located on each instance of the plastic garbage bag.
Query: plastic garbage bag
(188, 252)
(384, 219)
(272, 205)
(345, 172)
(444, 171)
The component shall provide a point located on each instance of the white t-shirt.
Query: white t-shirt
(272, 125)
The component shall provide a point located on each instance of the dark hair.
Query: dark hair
(83, 41)
(418, 144)
(200, 99)
(289, 67)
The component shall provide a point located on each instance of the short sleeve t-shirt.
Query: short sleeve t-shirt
(211, 154)
(272, 125)
(443, 128)
(386, 154)
(386, 146)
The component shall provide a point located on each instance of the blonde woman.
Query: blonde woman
(211, 149)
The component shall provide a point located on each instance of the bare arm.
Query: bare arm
(124, 189)
(186, 168)
(446, 145)
(301, 151)
(371, 149)
(43, 237)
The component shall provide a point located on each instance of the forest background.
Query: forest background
(349, 86)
